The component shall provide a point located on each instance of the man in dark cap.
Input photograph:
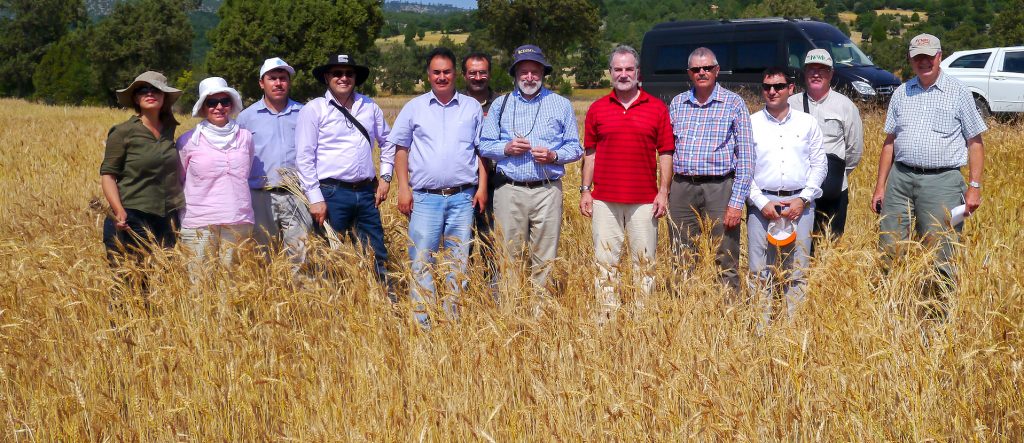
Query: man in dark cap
(334, 140)
(531, 133)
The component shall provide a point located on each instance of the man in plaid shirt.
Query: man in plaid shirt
(713, 164)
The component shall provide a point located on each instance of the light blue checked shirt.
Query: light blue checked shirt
(552, 126)
(932, 125)
(273, 136)
(714, 138)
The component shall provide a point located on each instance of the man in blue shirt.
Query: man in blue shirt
(440, 179)
(280, 215)
(531, 133)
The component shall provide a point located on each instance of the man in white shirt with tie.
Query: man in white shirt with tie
(789, 168)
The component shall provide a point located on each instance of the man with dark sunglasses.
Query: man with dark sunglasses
(713, 164)
(788, 172)
(334, 140)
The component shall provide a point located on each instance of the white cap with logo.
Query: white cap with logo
(271, 64)
(926, 44)
(818, 57)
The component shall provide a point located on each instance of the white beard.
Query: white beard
(529, 90)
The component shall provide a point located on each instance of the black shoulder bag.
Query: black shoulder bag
(832, 186)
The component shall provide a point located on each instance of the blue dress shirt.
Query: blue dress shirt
(273, 137)
(441, 139)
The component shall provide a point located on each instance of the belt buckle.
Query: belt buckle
(448, 192)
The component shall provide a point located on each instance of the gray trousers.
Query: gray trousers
(920, 203)
(768, 262)
(281, 217)
(688, 202)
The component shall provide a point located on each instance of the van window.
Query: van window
(797, 51)
(755, 57)
(1013, 62)
(844, 52)
(971, 61)
(671, 59)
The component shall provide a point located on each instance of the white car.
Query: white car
(995, 76)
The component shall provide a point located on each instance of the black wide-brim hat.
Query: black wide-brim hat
(362, 72)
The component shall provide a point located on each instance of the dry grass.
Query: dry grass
(246, 356)
(430, 38)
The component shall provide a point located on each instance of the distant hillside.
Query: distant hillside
(102, 8)
(421, 8)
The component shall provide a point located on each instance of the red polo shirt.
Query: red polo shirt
(626, 142)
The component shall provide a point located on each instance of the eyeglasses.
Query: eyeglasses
(776, 86)
(817, 71)
(213, 102)
(350, 73)
(697, 69)
(146, 90)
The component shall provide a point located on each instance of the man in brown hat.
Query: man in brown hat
(334, 139)
(933, 130)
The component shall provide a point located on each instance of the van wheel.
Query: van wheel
(982, 106)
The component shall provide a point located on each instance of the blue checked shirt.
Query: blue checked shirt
(932, 125)
(714, 138)
(273, 137)
(555, 128)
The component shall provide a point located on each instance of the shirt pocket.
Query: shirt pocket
(467, 132)
(832, 130)
(944, 122)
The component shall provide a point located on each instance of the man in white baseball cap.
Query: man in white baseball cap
(843, 141)
(280, 215)
(933, 130)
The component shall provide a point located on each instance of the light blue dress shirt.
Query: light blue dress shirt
(273, 137)
(546, 121)
(441, 139)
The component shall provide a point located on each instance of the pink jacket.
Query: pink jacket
(216, 181)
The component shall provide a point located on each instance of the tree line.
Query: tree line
(54, 53)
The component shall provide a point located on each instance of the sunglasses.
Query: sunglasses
(146, 90)
(342, 73)
(776, 86)
(697, 69)
(213, 102)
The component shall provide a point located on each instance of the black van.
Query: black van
(746, 47)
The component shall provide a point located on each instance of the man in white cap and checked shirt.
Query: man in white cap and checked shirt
(933, 130)
(280, 215)
(842, 139)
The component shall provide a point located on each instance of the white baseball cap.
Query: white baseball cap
(926, 44)
(271, 64)
(818, 56)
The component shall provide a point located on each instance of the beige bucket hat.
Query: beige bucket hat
(154, 79)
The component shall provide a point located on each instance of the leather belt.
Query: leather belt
(927, 170)
(703, 178)
(447, 192)
(532, 185)
(782, 193)
(348, 185)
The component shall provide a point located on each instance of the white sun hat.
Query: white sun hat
(781, 232)
(216, 85)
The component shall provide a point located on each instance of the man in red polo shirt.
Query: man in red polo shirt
(629, 144)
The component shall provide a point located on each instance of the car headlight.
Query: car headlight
(863, 88)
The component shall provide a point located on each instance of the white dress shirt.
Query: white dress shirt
(789, 156)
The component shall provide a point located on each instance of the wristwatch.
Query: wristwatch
(805, 200)
(584, 188)
(386, 178)
(974, 185)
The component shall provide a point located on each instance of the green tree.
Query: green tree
(142, 35)
(556, 26)
(591, 66)
(1008, 27)
(303, 32)
(27, 30)
(65, 74)
(783, 8)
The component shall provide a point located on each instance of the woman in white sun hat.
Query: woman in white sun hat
(215, 161)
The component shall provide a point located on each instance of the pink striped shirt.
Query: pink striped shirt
(216, 181)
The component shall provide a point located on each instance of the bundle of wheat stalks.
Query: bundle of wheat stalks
(245, 355)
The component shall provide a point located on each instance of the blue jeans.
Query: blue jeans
(354, 209)
(436, 219)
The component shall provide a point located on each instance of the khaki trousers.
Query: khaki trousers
(531, 218)
(610, 224)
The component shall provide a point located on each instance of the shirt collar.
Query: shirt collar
(356, 98)
(641, 97)
(716, 95)
(434, 99)
(768, 116)
(261, 105)
(543, 92)
(940, 83)
(823, 99)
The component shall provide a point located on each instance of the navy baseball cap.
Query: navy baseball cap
(528, 53)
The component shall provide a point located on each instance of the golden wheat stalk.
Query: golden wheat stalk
(290, 181)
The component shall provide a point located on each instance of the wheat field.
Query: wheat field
(246, 355)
